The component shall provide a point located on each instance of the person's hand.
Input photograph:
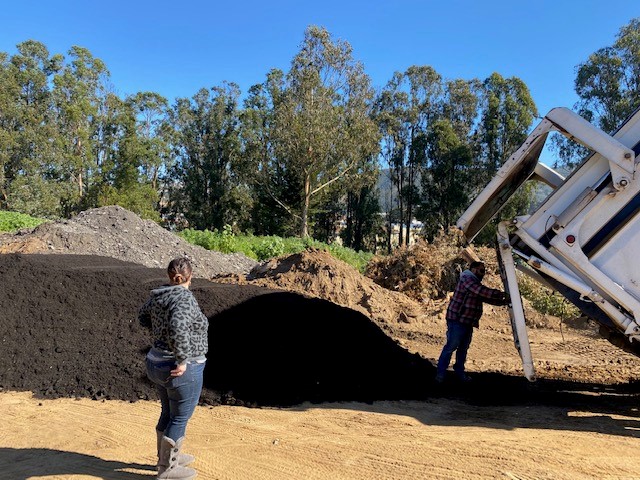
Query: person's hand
(179, 370)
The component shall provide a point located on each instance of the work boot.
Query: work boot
(168, 467)
(183, 458)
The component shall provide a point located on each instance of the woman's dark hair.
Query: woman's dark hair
(476, 265)
(179, 270)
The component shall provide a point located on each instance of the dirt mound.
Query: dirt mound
(118, 233)
(427, 272)
(316, 273)
(293, 329)
(69, 328)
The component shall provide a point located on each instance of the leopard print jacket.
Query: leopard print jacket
(177, 324)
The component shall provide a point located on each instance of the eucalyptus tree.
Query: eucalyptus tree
(151, 110)
(133, 154)
(28, 157)
(450, 148)
(445, 184)
(206, 145)
(78, 92)
(111, 122)
(507, 112)
(107, 134)
(322, 127)
(608, 82)
(405, 108)
(460, 105)
(9, 120)
(362, 210)
(275, 187)
(390, 106)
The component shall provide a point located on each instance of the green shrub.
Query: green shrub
(357, 259)
(203, 238)
(263, 248)
(269, 247)
(546, 301)
(14, 221)
(227, 240)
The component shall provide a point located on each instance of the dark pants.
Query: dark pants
(178, 395)
(458, 340)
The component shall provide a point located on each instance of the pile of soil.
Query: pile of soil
(70, 329)
(427, 272)
(316, 273)
(296, 328)
(413, 285)
(118, 233)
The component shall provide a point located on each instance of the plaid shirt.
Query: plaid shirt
(466, 303)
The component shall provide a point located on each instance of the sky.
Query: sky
(177, 47)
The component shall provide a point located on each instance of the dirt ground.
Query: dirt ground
(314, 372)
(440, 438)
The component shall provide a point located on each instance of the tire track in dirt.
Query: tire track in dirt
(439, 439)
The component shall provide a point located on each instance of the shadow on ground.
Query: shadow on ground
(26, 463)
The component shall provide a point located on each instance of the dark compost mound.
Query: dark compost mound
(69, 329)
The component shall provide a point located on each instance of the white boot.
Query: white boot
(168, 467)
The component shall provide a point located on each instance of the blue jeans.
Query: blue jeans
(458, 340)
(178, 395)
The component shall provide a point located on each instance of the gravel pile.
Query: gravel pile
(118, 233)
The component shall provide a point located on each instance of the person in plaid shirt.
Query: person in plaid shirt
(463, 314)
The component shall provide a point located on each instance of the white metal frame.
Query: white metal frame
(575, 211)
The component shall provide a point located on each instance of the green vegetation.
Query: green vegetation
(263, 248)
(546, 301)
(305, 150)
(13, 221)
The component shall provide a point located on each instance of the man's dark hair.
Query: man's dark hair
(476, 265)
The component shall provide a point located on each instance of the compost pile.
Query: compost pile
(70, 329)
(304, 327)
(70, 321)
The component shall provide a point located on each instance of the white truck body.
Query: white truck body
(584, 239)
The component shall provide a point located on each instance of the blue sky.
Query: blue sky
(177, 47)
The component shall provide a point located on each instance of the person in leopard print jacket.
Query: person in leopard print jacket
(175, 364)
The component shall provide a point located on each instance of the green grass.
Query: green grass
(263, 248)
(14, 221)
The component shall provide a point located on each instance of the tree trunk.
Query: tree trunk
(409, 214)
(304, 230)
(80, 178)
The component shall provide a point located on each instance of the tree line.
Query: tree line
(296, 155)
